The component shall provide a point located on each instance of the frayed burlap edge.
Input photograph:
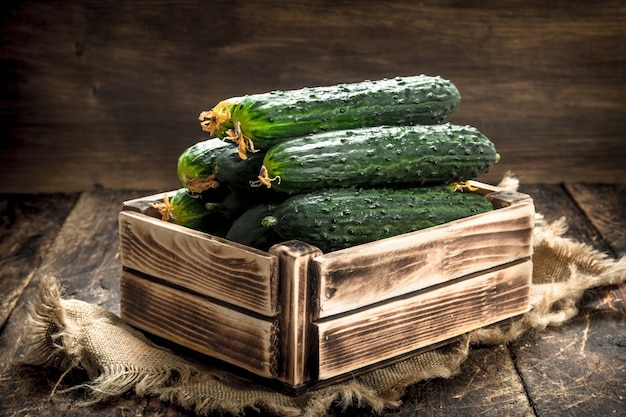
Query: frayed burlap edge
(75, 334)
(71, 334)
(117, 358)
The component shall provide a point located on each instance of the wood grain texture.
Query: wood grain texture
(486, 385)
(199, 262)
(607, 216)
(108, 93)
(199, 324)
(295, 315)
(355, 340)
(367, 274)
(572, 370)
(580, 368)
(27, 229)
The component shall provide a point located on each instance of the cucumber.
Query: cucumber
(378, 156)
(340, 218)
(248, 229)
(193, 211)
(195, 164)
(259, 121)
(237, 201)
(232, 171)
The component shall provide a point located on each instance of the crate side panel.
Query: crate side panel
(199, 262)
(403, 325)
(370, 273)
(198, 324)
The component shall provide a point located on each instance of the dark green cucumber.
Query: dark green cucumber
(340, 218)
(248, 229)
(262, 120)
(379, 156)
(237, 201)
(235, 172)
(195, 164)
(192, 210)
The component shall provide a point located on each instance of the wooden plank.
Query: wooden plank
(199, 324)
(359, 276)
(605, 206)
(145, 204)
(355, 340)
(28, 226)
(487, 384)
(202, 263)
(295, 315)
(579, 368)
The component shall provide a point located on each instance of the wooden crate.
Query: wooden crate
(300, 317)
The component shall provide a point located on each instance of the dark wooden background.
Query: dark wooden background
(98, 99)
(108, 93)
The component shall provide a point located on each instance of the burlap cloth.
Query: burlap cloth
(73, 334)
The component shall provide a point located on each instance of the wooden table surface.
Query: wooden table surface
(578, 369)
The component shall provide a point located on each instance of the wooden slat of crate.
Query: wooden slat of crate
(295, 314)
(208, 265)
(352, 341)
(355, 277)
(199, 324)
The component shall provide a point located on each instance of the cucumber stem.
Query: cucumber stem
(199, 185)
(269, 221)
(463, 185)
(264, 179)
(213, 120)
(244, 144)
(164, 209)
(218, 119)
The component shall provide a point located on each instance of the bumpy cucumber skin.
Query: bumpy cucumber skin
(197, 160)
(192, 211)
(380, 156)
(248, 230)
(340, 218)
(268, 118)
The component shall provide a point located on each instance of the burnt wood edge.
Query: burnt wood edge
(143, 205)
(284, 387)
(209, 298)
(411, 294)
(136, 211)
(316, 384)
(127, 217)
(295, 339)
